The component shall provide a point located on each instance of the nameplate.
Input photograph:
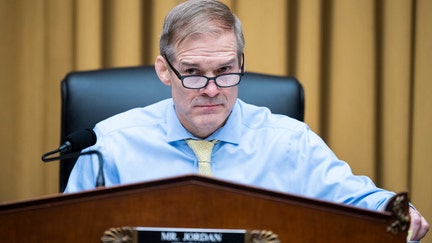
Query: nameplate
(186, 235)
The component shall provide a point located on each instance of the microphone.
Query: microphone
(74, 142)
(78, 141)
(72, 146)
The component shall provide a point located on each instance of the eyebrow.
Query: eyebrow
(227, 63)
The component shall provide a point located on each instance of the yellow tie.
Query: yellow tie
(203, 150)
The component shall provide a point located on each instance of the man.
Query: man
(201, 58)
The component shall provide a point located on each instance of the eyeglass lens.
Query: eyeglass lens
(224, 80)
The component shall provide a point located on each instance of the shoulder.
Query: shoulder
(256, 117)
(148, 116)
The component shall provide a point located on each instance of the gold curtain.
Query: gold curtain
(365, 66)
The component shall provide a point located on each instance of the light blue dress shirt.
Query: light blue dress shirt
(255, 148)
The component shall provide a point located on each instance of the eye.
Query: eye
(191, 71)
(222, 70)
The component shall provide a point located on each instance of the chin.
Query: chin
(211, 123)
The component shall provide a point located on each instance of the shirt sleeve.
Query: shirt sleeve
(322, 175)
(83, 175)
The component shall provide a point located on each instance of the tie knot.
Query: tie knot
(203, 150)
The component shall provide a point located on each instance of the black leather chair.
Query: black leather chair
(90, 96)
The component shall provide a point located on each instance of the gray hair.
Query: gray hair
(197, 17)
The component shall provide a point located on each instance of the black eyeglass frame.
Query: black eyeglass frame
(179, 76)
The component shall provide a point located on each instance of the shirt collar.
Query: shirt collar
(230, 132)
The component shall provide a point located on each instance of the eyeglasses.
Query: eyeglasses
(225, 80)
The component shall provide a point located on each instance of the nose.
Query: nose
(211, 89)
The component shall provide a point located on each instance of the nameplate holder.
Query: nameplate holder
(186, 235)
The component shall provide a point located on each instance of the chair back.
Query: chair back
(88, 97)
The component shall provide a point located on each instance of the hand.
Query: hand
(419, 226)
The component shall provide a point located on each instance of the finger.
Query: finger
(419, 226)
(424, 228)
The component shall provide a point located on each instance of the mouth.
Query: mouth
(208, 108)
(208, 105)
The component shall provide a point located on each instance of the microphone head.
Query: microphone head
(80, 140)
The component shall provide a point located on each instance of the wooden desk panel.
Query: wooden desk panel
(190, 202)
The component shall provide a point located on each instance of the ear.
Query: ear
(162, 70)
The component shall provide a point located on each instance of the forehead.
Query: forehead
(209, 46)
